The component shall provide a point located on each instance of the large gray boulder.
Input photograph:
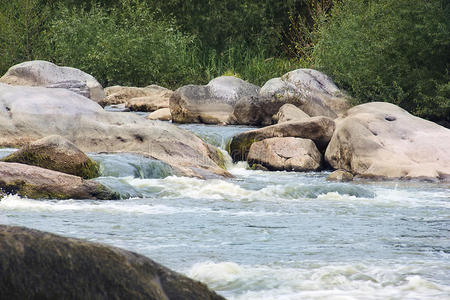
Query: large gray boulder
(44, 73)
(40, 265)
(56, 153)
(212, 103)
(318, 129)
(146, 99)
(287, 153)
(310, 90)
(38, 183)
(30, 113)
(380, 139)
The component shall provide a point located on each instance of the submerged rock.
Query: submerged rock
(58, 154)
(340, 175)
(30, 113)
(44, 73)
(289, 154)
(380, 139)
(212, 103)
(40, 265)
(145, 99)
(162, 114)
(38, 183)
(318, 129)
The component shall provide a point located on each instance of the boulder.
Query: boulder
(44, 73)
(212, 103)
(380, 139)
(58, 154)
(31, 113)
(318, 129)
(145, 99)
(340, 175)
(38, 183)
(289, 112)
(75, 86)
(310, 90)
(288, 153)
(162, 114)
(40, 265)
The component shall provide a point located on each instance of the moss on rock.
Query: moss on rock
(58, 154)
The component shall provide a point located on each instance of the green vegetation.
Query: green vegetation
(377, 50)
(394, 51)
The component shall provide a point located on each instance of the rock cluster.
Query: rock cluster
(146, 99)
(228, 100)
(31, 113)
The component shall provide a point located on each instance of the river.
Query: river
(264, 235)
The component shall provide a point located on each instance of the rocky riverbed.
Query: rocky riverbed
(253, 172)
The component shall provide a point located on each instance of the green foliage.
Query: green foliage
(123, 45)
(21, 22)
(394, 51)
(303, 33)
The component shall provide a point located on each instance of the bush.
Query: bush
(394, 51)
(123, 45)
(21, 23)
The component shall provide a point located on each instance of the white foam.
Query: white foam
(319, 281)
(14, 202)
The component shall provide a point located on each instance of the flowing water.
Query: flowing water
(264, 235)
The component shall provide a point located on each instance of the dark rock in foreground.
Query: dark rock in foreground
(39, 265)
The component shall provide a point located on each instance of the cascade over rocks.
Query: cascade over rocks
(38, 183)
(287, 153)
(47, 74)
(310, 90)
(380, 139)
(31, 113)
(318, 129)
(40, 265)
(145, 99)
(58, 154)
(212, 103)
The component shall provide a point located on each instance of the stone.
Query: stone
(162, 114)
(310, 90)
(75, 86)
(31, 113)
(212, 103)
(41, 265)
(340, 175)
(285, 154)
(289, 112)
(44, 73)
(58, 154)
(318, 129)
(144, 99)
(38, 183)
(381, 140)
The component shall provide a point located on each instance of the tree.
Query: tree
(394, 51)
